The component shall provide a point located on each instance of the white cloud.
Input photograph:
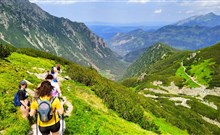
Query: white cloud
(139, 1)
(201, 6)
(189, 11)
(158, 11)
(61, 1)
(180, 12)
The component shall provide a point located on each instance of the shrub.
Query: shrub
(5, 50)
(116, 96)
(130, 82)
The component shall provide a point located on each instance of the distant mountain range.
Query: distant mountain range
(106, 31)
(24, 24)
(190, 34)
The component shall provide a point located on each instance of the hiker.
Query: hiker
(56, 92)
(55, 74)
(47, 124)
(58, 68)
(23, 97)
(52, 70)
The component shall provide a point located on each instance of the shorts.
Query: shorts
(47, 130)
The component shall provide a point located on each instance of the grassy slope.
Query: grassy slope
(151, 55)
(202, 72)
(205, 66)
(90, 115)
(180, 72)
(166, 127)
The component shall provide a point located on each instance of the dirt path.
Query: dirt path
(193, 79)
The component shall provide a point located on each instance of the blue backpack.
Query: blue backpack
(45, 109)
(17, 100)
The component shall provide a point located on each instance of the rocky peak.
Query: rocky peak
(208, 20)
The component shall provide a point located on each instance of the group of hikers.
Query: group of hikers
(47, 103)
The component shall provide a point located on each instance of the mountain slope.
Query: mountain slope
(181, 84)
(151, 55)
(24, 24)
(134, 55)
(185, 68)
(90, 115)
(123, 43)
(100, 104)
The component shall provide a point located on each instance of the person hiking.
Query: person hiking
(58, 68)
(56, 92)
(23, 97)
(55, 75)
(52, 70)
(52, 124)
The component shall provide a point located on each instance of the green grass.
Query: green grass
(107, 74)
(165, 127)
(204, 110)
(202, 72)
(90, 114)
(11, 121)
(180, 72)
(31, 64)
(214, 99)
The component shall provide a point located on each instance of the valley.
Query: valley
(124, 80)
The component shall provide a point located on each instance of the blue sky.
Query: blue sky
(144, 12)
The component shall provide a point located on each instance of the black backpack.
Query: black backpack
(45, 109)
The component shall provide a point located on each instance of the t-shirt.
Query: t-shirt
(54, 93)
(56, 89)
(56, 104)
(22, 94)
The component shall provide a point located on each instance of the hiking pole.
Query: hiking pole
(62, 117)
(36, 125)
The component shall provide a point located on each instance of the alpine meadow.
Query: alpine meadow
(118, 67)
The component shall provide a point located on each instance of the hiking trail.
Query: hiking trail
(192, 78)
(66, 102)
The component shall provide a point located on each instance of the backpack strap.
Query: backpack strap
(52, 99)
(38, 100)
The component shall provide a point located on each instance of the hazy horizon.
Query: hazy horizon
(128, 12)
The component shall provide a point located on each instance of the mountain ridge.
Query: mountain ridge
(184, 68)
(24, 24)
(207, 20)
(151, 55)
(184, 37)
